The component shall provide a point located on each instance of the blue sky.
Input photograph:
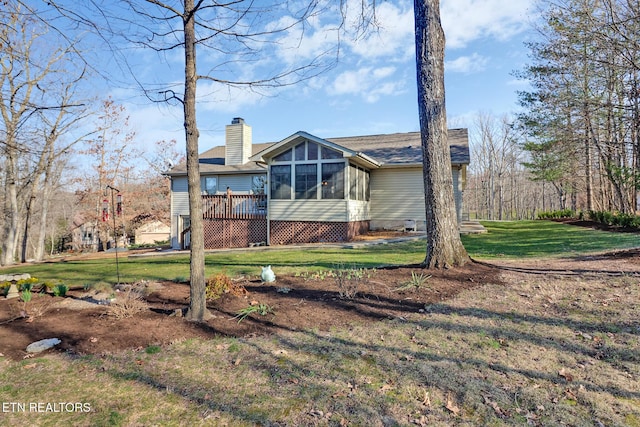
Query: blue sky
(372, 89)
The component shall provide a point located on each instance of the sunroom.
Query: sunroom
(318, 191)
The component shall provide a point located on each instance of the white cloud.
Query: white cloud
(467, 64)
(467, 20)
(394, 37)
(367, 82)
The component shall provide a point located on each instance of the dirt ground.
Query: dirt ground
(85, 323)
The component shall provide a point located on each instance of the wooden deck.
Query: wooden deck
(242, 206)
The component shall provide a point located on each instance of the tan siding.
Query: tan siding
(359, 210)
(308, 210)
(238, 144)
(398, 194)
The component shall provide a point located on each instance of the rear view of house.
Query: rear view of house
(306, 189)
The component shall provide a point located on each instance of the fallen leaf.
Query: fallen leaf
(566, 375)
(426, 400)
(30, 366)
(451, 406)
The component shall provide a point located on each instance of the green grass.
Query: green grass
(509, 239)
(533, 239)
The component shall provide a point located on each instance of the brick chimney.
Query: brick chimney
(237, 142)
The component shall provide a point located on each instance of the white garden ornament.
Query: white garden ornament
(268, 275)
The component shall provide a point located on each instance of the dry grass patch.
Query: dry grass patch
(538, 350)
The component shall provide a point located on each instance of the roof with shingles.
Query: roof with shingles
(388, 149)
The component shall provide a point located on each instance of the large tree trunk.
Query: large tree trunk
(444, 247)
(198, 304)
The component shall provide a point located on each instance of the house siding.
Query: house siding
(239, 184)
(238, 144)
(308, 210)
(397, 195)
(359, 210)
(179, 196)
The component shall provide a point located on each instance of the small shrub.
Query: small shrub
(221, 284)
(350, 279)
(128, 304)
(562, 213)
(615, 219)
(416, 282)
(60, 290)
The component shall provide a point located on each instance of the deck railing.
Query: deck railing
(240, 206)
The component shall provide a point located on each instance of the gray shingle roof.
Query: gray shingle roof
(404, 148)
(390, 150)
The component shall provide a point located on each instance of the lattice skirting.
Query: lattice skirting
(234, 233)
(296, 232)
(241, 233)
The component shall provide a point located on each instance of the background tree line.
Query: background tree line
(575, 144)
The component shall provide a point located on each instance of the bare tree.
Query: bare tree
(236, 32)
(444, 247)
(33, 71)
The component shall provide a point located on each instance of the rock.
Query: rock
(42, 345)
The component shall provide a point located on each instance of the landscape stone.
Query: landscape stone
(42, 345)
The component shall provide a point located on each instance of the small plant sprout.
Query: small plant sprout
(25, 296)
(60, 290)
(261, 309)
(417, 281)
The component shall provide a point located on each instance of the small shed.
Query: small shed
(152, 232)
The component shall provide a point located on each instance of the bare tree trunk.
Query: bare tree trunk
(10, 231)
(444, 247)
(198, 304)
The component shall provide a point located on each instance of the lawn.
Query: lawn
(509, 240)
(533, 348)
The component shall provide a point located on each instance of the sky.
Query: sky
(370, 90)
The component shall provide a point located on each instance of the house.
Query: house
(152, 233)
(309, 189)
